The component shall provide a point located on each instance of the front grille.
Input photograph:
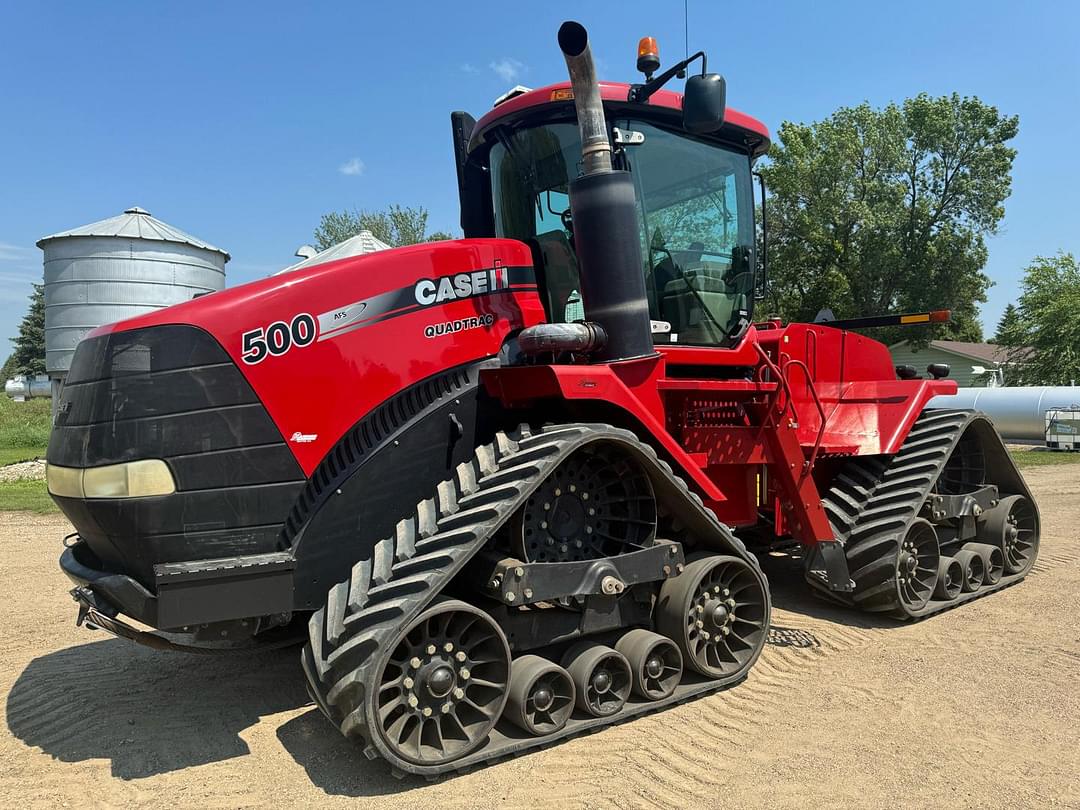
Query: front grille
(172, 392)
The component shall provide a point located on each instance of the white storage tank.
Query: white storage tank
(115, 269)
(1017, 413)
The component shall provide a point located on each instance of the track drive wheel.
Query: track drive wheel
(716, 612)
(442, 686)
(597, 503)
(1013, 526)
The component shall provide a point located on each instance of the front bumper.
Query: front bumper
(186, 594)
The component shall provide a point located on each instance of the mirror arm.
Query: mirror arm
(640, 93)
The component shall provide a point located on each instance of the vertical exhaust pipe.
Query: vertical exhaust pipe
(595, 146)
(604, 214)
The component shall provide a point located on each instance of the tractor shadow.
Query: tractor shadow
(790, 592)
(150, 712)
(337, 766)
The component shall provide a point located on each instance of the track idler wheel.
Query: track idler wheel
(1013, 526)
(950, 580)
(655, 662)
(715, 611)
(601, 678)
(541, 697)
(443, 686)
(972, 568)
(993, 561)
(917, 564)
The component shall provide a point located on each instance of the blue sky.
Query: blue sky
(242, 122)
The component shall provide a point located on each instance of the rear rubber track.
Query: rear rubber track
(873, 501)
(365, 615)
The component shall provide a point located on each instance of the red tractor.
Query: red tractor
(513, 483)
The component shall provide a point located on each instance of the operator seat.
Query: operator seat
(685, 298)
(560, 271)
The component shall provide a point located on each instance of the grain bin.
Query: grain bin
(118, 268)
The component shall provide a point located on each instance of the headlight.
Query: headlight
(135, 479)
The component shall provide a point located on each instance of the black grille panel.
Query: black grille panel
(171, 392)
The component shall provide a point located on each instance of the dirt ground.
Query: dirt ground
(979, 707)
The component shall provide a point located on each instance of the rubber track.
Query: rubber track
(872, 502)
(366, 614)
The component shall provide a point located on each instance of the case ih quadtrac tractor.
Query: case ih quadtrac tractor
(513, 484)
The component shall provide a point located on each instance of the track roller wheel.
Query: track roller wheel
(655, 662)
(993, 561)
(541, 695)
(971, 563)
(950, 580)
(443, 685)
(1013, 526)
(716, 612)
(601, 678)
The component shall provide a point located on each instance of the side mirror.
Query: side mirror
(704, 100)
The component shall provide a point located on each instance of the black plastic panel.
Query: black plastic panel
(379, 471)
(140, 351)
(171, 392)
(140, 395)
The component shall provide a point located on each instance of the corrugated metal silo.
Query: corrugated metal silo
(115, 269)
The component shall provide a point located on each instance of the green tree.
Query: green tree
(886, 210)
(29, 354)
(1043, 341)
(397, 226)
(1008, 323)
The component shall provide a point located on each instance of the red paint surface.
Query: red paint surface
(612, 91)
(721, 416)
(323, 389)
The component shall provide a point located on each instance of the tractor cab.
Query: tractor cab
(694, 203)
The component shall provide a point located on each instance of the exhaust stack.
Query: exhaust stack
(604, 213)
(595, 146)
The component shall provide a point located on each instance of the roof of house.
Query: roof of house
(983, 352)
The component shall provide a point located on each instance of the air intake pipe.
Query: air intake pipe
(602, 206)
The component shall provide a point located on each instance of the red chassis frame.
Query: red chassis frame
(788, 400)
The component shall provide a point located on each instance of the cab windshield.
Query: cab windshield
(695, 210)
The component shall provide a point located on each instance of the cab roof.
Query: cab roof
(667, 103)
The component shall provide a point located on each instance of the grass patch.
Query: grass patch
(24, 424)
(26, 496)
(1038, 457)
(13, 455)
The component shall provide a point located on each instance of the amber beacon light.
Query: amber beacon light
(648, 56)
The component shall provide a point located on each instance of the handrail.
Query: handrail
(781, 379)
(809, 465)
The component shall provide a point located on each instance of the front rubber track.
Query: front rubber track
(365, 615)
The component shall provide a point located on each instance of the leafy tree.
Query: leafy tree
(29, 354)
(1043, 340)
(886, 210)
(1009, 322)
(396, 226)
